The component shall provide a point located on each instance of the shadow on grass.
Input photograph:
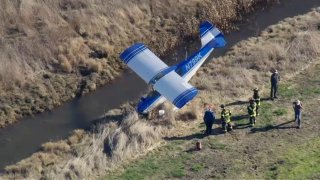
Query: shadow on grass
(242, 126)
(239, 102)
(240, 117)
(188, 137)
(215, 131)
(270, 127)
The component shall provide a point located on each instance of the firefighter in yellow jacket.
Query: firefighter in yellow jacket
(225, 119)
(252, 111)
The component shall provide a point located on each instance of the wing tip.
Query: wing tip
(131, 52)
(185, 97)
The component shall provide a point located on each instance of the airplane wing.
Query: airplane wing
(151, 101)
(171, 82)
(142, 61)
(163, 78)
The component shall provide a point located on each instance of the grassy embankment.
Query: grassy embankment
(274, 148)
(290, 46)
(52, 51)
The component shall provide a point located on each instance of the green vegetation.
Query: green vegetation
(197, 167)
(290, 160)
(303, 90)
(159, 166)
(288, 91)
(215, 144)
(301, 162)
(280, 111)
(267, 114)
(167, 163)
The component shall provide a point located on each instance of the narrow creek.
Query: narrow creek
(20, 140)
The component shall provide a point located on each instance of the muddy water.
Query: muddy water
(24, 138)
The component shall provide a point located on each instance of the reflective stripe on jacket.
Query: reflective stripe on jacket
(226, 115)
(256, 98)
(252, 110)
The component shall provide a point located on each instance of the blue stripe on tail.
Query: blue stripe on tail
(205, 27)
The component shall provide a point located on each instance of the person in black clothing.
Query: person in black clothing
(275, 78)
(208, 119)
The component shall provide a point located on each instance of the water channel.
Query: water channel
(20, 140)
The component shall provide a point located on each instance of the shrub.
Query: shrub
(93, 65)
(56, 147)
(64, 63)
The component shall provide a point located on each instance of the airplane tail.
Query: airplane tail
(208, 32)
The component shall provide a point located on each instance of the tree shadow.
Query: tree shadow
(270, 127)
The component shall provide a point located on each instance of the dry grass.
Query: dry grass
(85, 155)
(230, 77)
(111, 144)
(72, 39)
(56, 147)
(36, 33)
(289, 47)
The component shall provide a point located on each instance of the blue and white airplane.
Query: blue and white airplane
(171, 83)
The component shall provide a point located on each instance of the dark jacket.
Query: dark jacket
(275, 78)
(297, 108)
(209, 116)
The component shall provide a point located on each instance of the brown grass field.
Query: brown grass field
(47, 48)
(269, 150)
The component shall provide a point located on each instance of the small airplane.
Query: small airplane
(171, 83)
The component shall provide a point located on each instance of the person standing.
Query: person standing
(225, 119)
(208, 119)
(252, 112)
(275, 78)
(256, 98)
(297, 107)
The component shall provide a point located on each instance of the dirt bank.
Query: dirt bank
(290, 46)
(53, 51)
